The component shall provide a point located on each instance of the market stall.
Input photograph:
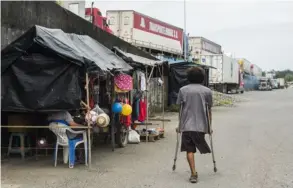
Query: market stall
(145, 70)
(47, 70)
(178, 77)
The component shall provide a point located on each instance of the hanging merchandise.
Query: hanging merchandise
(126, 119)
(123, 82)
(117, 107)
(103, 120)
(142, 81)
(117, 90)
(142, 110)
(135, 78)
(135, 105)
(126, 110)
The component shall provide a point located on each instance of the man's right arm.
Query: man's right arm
(70, 120)
(179, 102)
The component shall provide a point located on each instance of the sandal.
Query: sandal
(193, 178)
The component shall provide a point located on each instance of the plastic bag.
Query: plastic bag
(133, 137)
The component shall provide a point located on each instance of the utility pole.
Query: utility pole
(185, 36)
(92, 16)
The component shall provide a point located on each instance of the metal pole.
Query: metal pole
(147, 103)
(185, 42)
(89, 130)
(163, 98)
(92, 16)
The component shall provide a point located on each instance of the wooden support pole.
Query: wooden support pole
(40, 126)
(147, 103)
(89, 130)
(163, 97)
(113, 115)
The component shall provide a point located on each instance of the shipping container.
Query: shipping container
(144, 31)
(226, 75)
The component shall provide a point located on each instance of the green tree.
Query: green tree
(289, 77)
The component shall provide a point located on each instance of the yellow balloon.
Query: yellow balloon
(126, 110)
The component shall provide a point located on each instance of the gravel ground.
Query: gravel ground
(253, 148)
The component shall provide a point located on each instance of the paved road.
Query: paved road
(253, 147)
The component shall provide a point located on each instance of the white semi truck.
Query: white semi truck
(265, 84)
(226, 77)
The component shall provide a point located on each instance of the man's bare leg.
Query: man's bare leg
(190, 159)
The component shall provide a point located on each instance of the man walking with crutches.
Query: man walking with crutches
(196, 101)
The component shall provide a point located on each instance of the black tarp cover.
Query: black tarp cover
(41, 70)
(178, 78)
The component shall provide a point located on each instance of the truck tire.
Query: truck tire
(241, 92)
(224, 89)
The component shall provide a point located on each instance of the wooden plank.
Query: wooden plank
(164, 120)
(40, 126)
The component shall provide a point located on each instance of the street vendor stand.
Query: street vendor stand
(47, 70)
(148, 67)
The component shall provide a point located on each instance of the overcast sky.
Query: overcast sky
(260, 30)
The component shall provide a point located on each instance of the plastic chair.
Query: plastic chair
(69, 145)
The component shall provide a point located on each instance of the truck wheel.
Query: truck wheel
(121, 136)
(224, 89)
(241, 92)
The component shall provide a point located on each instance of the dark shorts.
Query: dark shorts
(194, 140)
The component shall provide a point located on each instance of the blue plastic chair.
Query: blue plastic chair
(69, 145)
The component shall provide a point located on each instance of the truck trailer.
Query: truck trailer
(226, 77)
(281, 83)
(143, 31)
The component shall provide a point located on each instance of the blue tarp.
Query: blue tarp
(250, 81)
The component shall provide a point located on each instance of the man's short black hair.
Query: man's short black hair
(195, 75)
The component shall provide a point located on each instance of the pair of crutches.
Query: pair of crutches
(211, 138)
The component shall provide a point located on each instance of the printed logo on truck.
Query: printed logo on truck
(156, 27)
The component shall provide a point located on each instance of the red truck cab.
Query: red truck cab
(98, 20)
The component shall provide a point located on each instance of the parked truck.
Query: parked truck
(226, 76)
(281, 83)
(95, 16)
(146, 32)
(265, 84)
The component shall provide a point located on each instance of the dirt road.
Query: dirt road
(253, 147)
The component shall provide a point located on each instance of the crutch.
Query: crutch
(211, 138)
(178, 139)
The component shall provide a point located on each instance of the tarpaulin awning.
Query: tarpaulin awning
(80, 49)
(190, 64)
(178, 78)
(43, 70)
(138, 59)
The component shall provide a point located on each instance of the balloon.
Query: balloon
(116, 107)
(126, 110)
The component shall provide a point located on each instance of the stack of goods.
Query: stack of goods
(151, 131)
